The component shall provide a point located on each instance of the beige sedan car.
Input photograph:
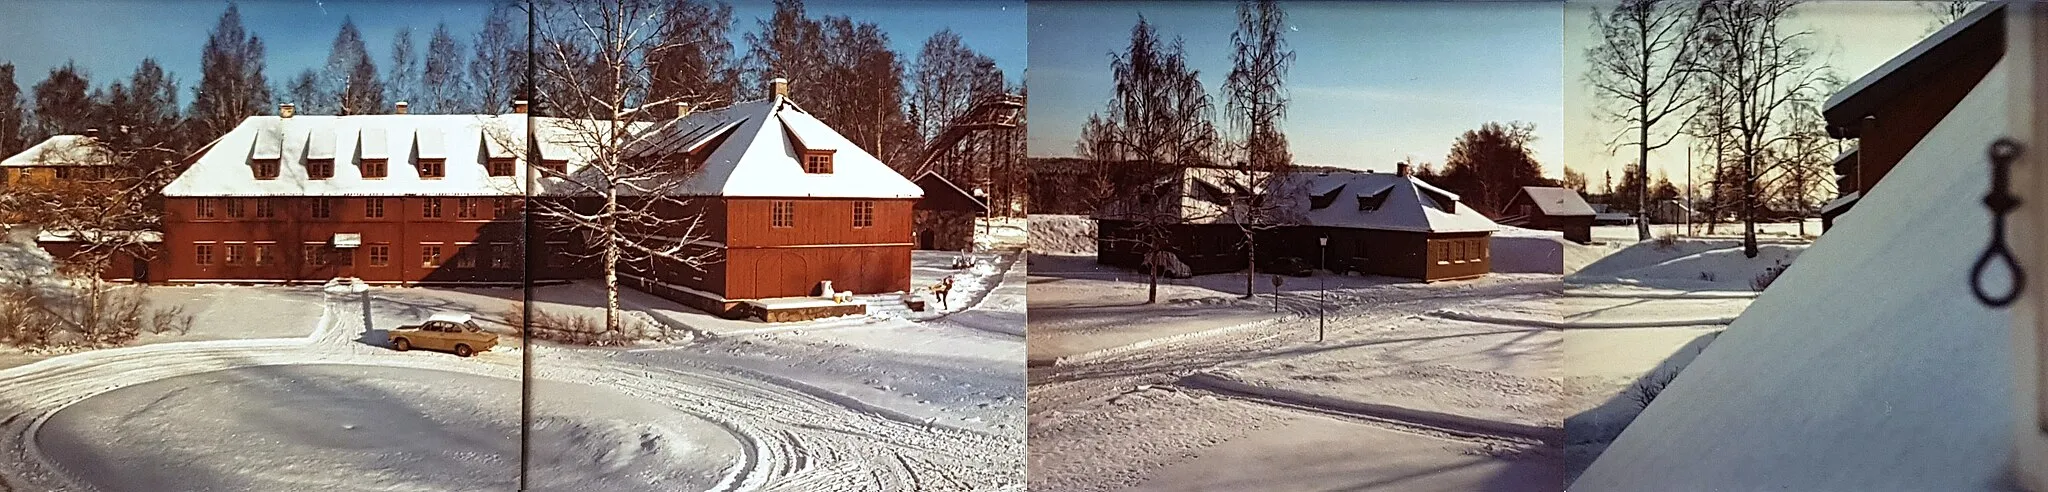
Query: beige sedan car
(450, 332)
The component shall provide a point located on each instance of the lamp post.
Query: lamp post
(1322, 287)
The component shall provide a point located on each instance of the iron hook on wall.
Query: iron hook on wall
(2001, 202)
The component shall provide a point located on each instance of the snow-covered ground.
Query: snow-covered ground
(1626, 234)
(831, 405)
(1635, 318)
(1207, 390)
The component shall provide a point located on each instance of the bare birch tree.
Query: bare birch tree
(1765, 71)
(1641, 74)
(1256, 102)
(596, 83)
(1159, 118)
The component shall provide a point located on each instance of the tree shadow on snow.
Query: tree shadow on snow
(1588, 433)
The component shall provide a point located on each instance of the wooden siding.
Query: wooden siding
(756, 273)
(1903, 121)
(819, 222)
(404, 229)
(1416, 255)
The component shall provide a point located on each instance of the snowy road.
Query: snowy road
(790, 439)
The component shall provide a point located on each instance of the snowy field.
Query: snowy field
(1182, 394)
(877, 403)
(1623, 235)
(1634, 319)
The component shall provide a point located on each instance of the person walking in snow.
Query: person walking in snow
(939, 290)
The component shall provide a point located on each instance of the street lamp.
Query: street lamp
(1322, 287)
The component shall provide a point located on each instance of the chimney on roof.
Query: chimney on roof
(92, 133)
(286, 110)
(519, 106)
(682, 109)
(779, 87)
(400, 108)
(1404, 170)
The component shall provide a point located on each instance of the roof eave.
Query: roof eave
(1860, 98)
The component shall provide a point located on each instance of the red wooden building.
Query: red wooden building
(789, 204)
(784, 202)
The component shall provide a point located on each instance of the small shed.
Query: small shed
(944, 218)
(1551, 209)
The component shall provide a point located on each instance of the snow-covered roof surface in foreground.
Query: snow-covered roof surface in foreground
(1558, 202)
(1867, 366)
(757, 157)
(61, 150)
(1408, 206)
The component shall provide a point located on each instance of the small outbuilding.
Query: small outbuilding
(59, 159)
(1551, 209)
(944, 218)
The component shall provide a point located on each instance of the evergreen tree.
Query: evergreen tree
(62, 103)
(13, 116)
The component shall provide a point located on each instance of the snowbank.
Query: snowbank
(1870, 366)
(1690, 263)
(1062, 234)
(1518, 250)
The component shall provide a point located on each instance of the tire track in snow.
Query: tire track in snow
(795, 441)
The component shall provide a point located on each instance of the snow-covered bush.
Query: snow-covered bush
(33, 318)
(578, 329)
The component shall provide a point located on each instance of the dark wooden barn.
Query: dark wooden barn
(1365, 222)
(1551, 209)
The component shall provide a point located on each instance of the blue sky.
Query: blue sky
(110, 37)
(1372, 82)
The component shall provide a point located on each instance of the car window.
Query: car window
(471, 327)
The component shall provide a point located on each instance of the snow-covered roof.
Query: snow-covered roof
(1929, 56)
(400, 139)
(61, 150)
(1557, 202)
(1408, 204)
(1322, 198)
(756, 154)
(1868, 365)
(759, 155)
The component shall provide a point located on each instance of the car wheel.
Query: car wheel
(462, 350)
(401, 345)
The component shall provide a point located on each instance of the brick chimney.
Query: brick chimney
(286, 110)
(682, 109)
(519, 106)
(778, 87)
(400, 108)
(1404, 170)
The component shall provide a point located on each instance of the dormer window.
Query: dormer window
(501, 166)
(433, 168)
(265, 168)
(818, 162)
(1373, 202)
(320, 168)
(375, 168)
